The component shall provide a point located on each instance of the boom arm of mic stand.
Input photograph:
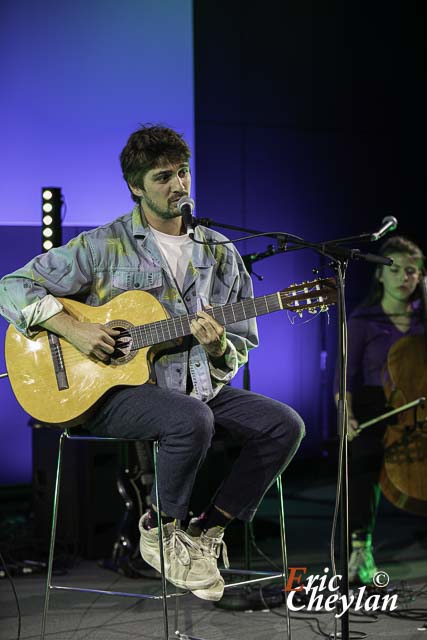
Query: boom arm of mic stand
(208, 222)
(361, 237)
(344, 253)
(329, 248)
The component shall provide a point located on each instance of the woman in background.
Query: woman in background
(391, 311)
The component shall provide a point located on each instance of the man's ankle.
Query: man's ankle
(153, 518)
(214, 517)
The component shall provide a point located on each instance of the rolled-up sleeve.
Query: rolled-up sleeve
(28, 295)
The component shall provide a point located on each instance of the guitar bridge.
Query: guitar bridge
(58, 361)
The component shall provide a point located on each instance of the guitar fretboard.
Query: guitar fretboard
(308, 295)
(179, 326)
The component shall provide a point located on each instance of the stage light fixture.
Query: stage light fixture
(51, 217)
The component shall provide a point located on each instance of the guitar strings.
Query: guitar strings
(155, 333)
(174, 327)
(293, 317)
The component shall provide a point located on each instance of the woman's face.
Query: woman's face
(400, 280)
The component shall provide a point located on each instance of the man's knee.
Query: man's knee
(292, 426)
(199, 425)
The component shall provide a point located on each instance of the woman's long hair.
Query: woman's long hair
(395, 244)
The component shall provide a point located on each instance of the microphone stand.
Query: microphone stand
(340, 257)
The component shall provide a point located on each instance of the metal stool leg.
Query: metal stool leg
(50, 586)
(284, 552)
(162, 557)
(53, 534)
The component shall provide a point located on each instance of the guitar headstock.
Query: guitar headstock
(314, 295)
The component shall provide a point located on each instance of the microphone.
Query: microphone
(389, 223)
(185, 207)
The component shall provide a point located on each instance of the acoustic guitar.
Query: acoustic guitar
(57, 384)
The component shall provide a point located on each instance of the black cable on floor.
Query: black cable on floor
(9, 577)
(408, 614)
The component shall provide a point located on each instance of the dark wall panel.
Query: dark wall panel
(310, 118)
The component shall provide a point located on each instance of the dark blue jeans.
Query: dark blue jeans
(268, 433)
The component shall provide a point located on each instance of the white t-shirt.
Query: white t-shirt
(177, 252)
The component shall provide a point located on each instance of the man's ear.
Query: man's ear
(379, 273)
(137, 191)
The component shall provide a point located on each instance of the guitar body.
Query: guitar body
(58, 385)
(31, 370)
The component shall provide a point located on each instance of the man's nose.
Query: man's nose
(178, 183)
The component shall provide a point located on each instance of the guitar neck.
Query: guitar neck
(308, 295)
(179, 326)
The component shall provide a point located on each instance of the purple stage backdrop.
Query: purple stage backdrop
(77, 78)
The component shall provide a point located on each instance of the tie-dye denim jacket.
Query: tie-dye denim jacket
(123, 255)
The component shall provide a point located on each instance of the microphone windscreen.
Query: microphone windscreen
(185, 203)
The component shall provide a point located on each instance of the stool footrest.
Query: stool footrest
(146, 596)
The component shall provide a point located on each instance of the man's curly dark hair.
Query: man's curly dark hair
(149, 147)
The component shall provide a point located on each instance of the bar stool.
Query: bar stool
(259, 576)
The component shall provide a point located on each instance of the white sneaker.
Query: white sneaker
(185, 564)
(212, 593)
(211, 544)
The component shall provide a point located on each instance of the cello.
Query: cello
(403, 477)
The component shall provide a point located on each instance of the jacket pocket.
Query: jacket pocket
(126, 280)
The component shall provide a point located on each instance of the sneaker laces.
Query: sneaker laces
(182, 544)
(213, 546)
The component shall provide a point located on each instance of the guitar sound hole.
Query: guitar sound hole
(123, 345)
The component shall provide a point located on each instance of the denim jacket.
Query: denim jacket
(123, 255)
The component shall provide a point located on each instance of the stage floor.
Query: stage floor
(87, 616)
(400, 550)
